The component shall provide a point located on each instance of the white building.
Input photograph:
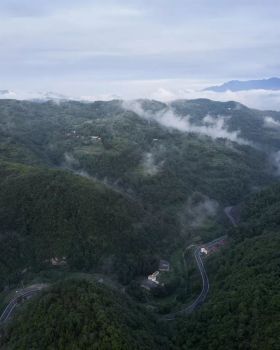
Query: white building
(153, 277)
(204, 250)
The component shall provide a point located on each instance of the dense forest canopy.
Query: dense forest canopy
(244, 303)
(110, 189)
(82, 315)
(125, 180)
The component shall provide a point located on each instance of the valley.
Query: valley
(94, 195)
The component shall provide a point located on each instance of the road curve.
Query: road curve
(205, 284)
(204, 291)
(15, 301)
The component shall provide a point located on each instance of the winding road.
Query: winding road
(205, 283)
(24, 294)
(28, 292)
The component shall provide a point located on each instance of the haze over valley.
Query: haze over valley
(139, 175)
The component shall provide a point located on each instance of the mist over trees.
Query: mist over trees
(105, 191)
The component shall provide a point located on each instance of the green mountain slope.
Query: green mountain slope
(243, 308)
(241, 311)
(156, 164)
(111, 188)
(82, 315)
(46, 214)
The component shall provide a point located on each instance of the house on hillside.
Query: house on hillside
(152, 280)
(204, 250)
(153, 277)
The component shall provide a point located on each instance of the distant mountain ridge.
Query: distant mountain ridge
(33, 96)
(44, 96)
(237, 85)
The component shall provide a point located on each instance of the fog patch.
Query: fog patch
(73, 165)
(212, 127)
(199, 209)
(84, 173)
(209, 120)
(260, 99)
(270, 122)
(70, 162)
(149, 165)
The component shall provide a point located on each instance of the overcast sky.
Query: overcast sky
(134, 47)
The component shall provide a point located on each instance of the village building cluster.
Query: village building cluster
(74, 134)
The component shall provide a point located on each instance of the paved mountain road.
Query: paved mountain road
(205, 283)
(24, 294)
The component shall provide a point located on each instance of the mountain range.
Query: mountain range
(237, 85)
(271, 84)
(94, 195)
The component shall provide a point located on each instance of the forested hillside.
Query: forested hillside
(243, 309)
(49, 214)
(82, 315)
(137, 153)
(104, 191)
(135, 184)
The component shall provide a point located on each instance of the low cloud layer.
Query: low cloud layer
(149, 164)
(198, 210)
(270, 122)
(162, 90)
(212, 127)
(259, 99)
(72, 164)
(136, 48)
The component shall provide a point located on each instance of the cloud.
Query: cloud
(100, 97)
(161, 90)
(163, 94)
(98, 48)
(211, 127)
(259, 99)
(149, 164)
(70, 162)
(270, 122)
(198, 209)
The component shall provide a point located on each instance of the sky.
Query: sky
(136, 48)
